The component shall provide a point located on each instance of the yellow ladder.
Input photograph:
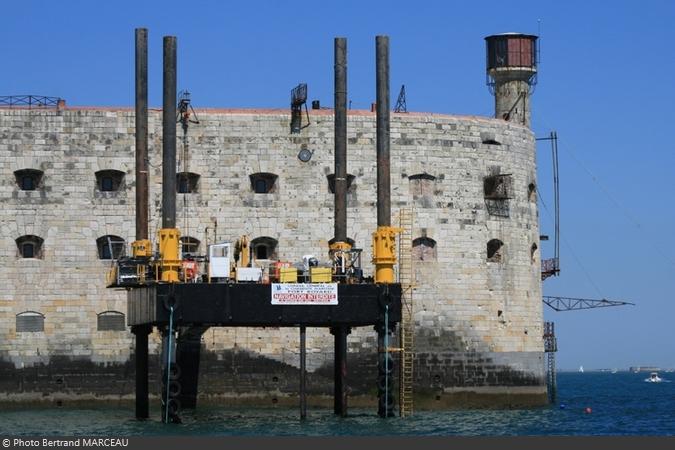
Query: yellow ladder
(407, 327)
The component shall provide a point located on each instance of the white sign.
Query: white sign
(304, 294)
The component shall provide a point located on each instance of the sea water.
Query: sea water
(620, 404)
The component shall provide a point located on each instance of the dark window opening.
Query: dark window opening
(263, 182)
(264, 247)
(110, 247)
(261, 186)
(28, 179)
(28, 250)
(533, 252)
(497, 187)
(30, 246)
(109, 180)
(489, 138)
(27, 183)
(110, 321)
(494, 250)
(331, 182)
(187, 182)
(106, 184)
(424, 249)
(189, 246)
(30, 322)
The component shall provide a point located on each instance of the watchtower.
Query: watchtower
(512, 74)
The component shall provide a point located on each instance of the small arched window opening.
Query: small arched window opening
(109, 180)
(532, 192)
(494, 250)
(30, 322)
(264, 247)
(533, 252)
(111, 247)
(189, 246)
(263, 182)
(110, 321)
(28, 179)
(30, 246)
(424, 249)
(187, 182)
(331, 182)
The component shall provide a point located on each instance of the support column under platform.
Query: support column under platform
(188, 348)
(197, 306)
(340, 371)
(141, 355)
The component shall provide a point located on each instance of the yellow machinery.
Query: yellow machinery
(169, 253)
(141, 248)
(242, 251)
(384, 253)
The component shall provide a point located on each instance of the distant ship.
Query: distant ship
(615, 370)
(581, 369)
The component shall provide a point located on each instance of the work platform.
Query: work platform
(187, 310)
(250, 305)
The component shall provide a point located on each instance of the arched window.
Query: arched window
(494, 250)
(110, 247)
(331, 182)
(189, 245)
(109, 180)
(28, 179)
(263, 182)
(264, 247)
(422, 189)
(110, 321)
(424, 249)
(30, 246)
(187, 182)
(30, 322)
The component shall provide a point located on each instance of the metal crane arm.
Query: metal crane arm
(569, 303)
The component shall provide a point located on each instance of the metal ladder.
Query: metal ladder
(407, 327)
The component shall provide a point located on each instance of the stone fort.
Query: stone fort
(67, 196)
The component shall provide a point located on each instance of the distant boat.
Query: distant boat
(653, 378)
(615, 370)
(581, 369)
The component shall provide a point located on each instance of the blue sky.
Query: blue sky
(605, 85)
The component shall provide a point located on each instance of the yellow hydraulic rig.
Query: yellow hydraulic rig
(407, 326)
(169, 252)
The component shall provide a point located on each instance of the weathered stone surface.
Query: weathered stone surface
(478, 323)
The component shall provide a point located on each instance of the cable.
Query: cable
(624, 210)
(574, 255)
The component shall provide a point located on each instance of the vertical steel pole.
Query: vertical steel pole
(169, 135)
(340, 371)
(303, 372)
(141, 134)
(340, 140)
(141, 354)
(382, 119)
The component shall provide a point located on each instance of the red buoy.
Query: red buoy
(588, 410)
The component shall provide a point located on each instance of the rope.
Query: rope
(168, 365)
